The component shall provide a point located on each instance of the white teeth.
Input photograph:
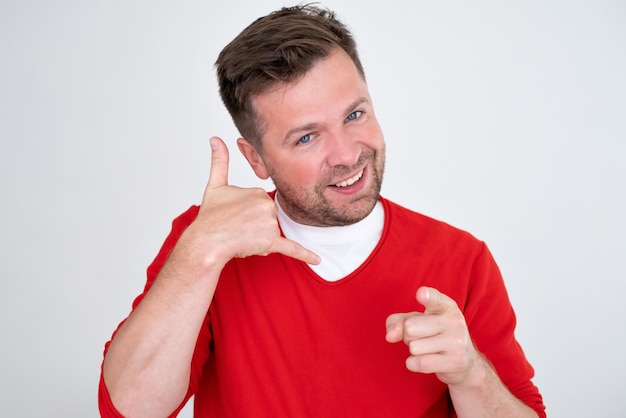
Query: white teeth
(350, 181)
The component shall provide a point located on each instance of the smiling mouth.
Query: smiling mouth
(350, 181)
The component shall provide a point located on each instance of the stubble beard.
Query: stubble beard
(311, 207)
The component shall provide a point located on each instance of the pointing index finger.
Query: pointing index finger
(395, 327)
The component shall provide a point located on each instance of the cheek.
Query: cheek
(371, 134)
(375, 135)
(300, 171)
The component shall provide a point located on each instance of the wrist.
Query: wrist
(477, 377)
(198, 255)
(206, 256)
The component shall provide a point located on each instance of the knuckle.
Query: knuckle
(412, 363)
(260, 193)
(411, 325)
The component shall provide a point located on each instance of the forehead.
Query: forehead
(323, 93)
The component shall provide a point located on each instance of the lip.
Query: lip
(349, 181)
(355, 187)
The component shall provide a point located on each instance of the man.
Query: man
(274, 305)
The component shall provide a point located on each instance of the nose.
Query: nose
(342, 149)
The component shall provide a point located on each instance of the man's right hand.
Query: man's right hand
(146, 368)
(238, 222)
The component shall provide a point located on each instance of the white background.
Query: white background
(507, 119)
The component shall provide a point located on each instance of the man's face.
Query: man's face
(322, 145)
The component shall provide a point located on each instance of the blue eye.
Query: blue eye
(354, 115)
(305, 139)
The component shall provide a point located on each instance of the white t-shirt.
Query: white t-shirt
(342, 248)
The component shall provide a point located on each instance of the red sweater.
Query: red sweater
(279, 341)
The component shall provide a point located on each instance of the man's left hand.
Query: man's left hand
(438, 339)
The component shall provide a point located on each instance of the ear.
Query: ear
(254, 158)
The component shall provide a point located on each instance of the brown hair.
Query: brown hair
(278, 48)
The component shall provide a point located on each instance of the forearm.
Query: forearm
(484, 395)
(147, 367)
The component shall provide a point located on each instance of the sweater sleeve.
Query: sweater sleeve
(201, 353)
(491, 322)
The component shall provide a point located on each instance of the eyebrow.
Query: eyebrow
(313, 125)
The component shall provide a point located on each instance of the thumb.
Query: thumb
(218, 175)
(433, 300)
